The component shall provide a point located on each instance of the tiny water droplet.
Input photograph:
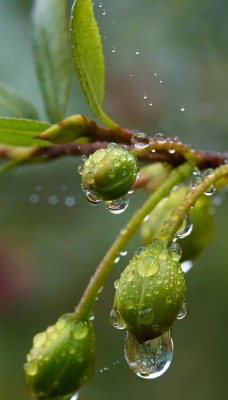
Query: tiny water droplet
(113, 49)
(103, 12)
(140, 140)
(160, 138)
(131, 191)
(123, 253)
(100, 5)
(117, 259)
(161, 81)
(150, 359)
(139, 251)
(117, 206)
(74, 397)
(176, 251)
(115, 319)
(137, 52)
(155, 74)
(92, 196)
(145, 96)
(80, 169)
(186, 266)
(186, 227)
(196, 181)
(113, 145)
(183, 310)
(84, 157)
(150, 104)
(182, 108)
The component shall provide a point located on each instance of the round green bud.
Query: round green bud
(62, 359)
(110, 173)
(201, 219)
(150, 291)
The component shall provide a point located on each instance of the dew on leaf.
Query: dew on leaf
(150, 359)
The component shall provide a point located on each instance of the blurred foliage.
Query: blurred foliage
(50, 246)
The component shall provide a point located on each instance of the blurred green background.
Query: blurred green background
(51, 239)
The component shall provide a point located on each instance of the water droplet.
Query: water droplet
(196, 181)
(92, 196)
(81, 331)
(80, 169)
(117, 259)
(40, 340)
(113, 145)
(113, 49)
(131, 191)
(150, 104)
(196, 171)
(137, 52)
(161, 81)
(175, 251)
(147, 269)
(100, 5)
(150, 359)
(117, 206)
(155, 74)
(186, 227)
(140, 140)
(116, 320)
(84, 157)
(182, 108)
(145, 96)
(183, 310)
(160, 138)
(103, 12)
(139, 251)
(186, 266)
(123, 253)
(31, 368)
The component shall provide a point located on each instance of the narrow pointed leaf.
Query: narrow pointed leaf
(22, 132)
(88, 57)
(52, 56)
(13, 105)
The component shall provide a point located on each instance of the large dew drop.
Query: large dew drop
(150, 359)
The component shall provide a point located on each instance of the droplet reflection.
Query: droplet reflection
(150, 359)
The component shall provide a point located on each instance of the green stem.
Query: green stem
(96, 283)
(176, 218)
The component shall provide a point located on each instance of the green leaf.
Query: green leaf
(52, 55)
(22, 132)
(88, 57)
(13, 105)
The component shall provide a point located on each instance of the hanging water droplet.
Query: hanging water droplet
(113, 49)
(123, 253)
(145, 96)
(131, 191)
(186, 266)
(210, 190)
(186, 227)
(80, 169)
(183, 310)
(137, 52)
(176, 251)
(117, 206)
(103, 12)
(140, 140)
(160, 138)
(84, 157)
(100, 5)
(92, 196)
(139, 251)
(182, 108)
(150, 359)
(115, 319)
(196, 171)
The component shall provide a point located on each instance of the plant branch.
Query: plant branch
(176, 218)
(97, 281)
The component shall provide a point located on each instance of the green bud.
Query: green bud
(202, 221)
(110, 173)
(62, 358)
(150, 291)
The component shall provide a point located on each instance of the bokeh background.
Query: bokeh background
(166, 71)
